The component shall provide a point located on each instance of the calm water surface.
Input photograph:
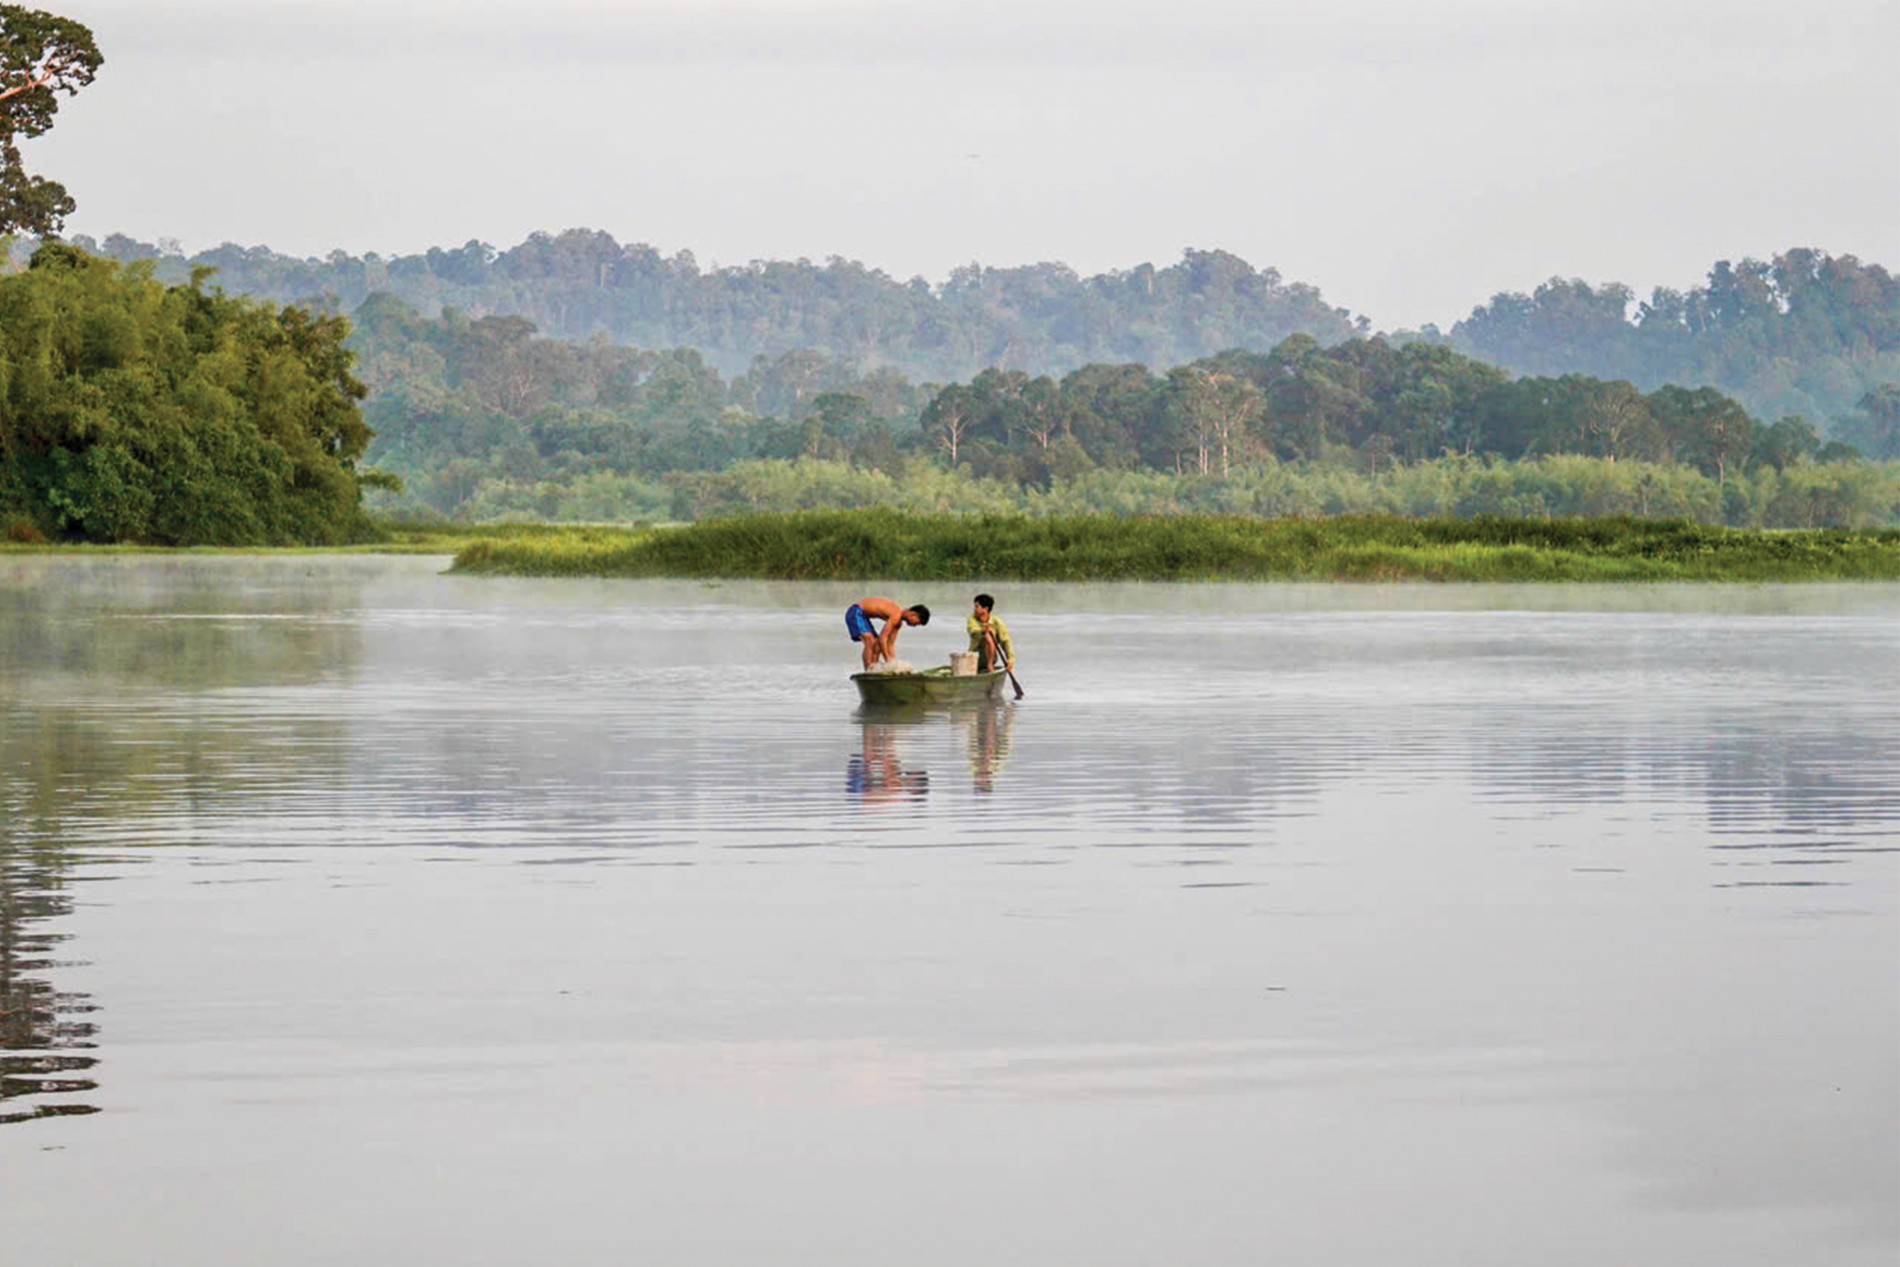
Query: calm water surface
(353, 913)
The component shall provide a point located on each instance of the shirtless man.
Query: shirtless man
(880, 645)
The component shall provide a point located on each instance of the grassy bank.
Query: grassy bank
(861, 545)
(399, 537)
(385, 537)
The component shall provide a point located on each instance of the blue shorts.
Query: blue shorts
(857, 624)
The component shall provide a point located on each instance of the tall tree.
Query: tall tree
(1874, 427)
(1611, 418)
(41, 56)
(1215, 410)
(947, 420)
(1705, 426)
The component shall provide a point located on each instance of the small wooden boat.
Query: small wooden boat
(930, 686)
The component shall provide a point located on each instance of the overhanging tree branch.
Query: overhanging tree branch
(41, 56)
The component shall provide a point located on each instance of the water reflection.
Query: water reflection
(987, 739)
(44, 1031)
(880, 773)
(1390, 876)
(876, 775)
(127, 713)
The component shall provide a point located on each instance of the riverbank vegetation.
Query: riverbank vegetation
(177, 415)
(484, 420)
(135, 412)
(378, 537)
(1810, 495)
(887, 545)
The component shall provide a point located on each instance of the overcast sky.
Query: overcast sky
(1408, 157)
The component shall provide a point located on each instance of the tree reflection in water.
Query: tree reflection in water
(43, 1031)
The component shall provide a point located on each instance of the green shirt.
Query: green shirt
(974, 628)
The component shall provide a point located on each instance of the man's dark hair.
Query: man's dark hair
(985, 602)
(923, 614)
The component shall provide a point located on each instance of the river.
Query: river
(351, 912)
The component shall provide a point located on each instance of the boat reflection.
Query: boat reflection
(879, 774)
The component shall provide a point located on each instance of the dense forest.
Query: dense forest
(582, 283)
(483, 418)
(135, 411)
(1804, 334)
(572, 377)
(171, 415)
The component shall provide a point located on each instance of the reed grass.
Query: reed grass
(395, 536)
(878, 544)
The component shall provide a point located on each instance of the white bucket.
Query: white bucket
(963, 664)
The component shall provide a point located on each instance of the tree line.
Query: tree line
(136, 404)
(135, 411)
(131, 411)
(582, 283)
(483, 417)
(1804, 333)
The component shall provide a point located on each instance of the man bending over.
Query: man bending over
(880, 645)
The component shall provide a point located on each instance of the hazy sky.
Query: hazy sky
(1408, 157)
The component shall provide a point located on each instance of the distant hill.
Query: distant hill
(1042, 318)
(1805, 333)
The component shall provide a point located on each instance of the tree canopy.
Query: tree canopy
(483, 417)
(136, 412)
(42, 56)
(582, 283)
(1805, 333)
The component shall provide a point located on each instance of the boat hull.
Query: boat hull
(932, 686)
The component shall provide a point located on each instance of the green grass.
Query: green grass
(385, 537)
(399, 537)
(861, 545)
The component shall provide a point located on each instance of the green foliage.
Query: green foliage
(133, 412)
(482, 418)
(1804, 334)
(886, 545)
(601, 497)
(581, 283)
(781, 386)
(485, 420)
(41, 56)
(1842, 494)
(1361, 404)
(571, 552)
(813, 484)
(1874, 426)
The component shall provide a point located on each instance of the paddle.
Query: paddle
(997, 657)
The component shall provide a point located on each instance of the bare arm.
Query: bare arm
(893, 617)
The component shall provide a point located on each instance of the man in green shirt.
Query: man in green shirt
(989, 636)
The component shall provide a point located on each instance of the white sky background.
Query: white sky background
(1408, 157)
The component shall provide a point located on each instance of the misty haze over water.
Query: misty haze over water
(525, 919)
